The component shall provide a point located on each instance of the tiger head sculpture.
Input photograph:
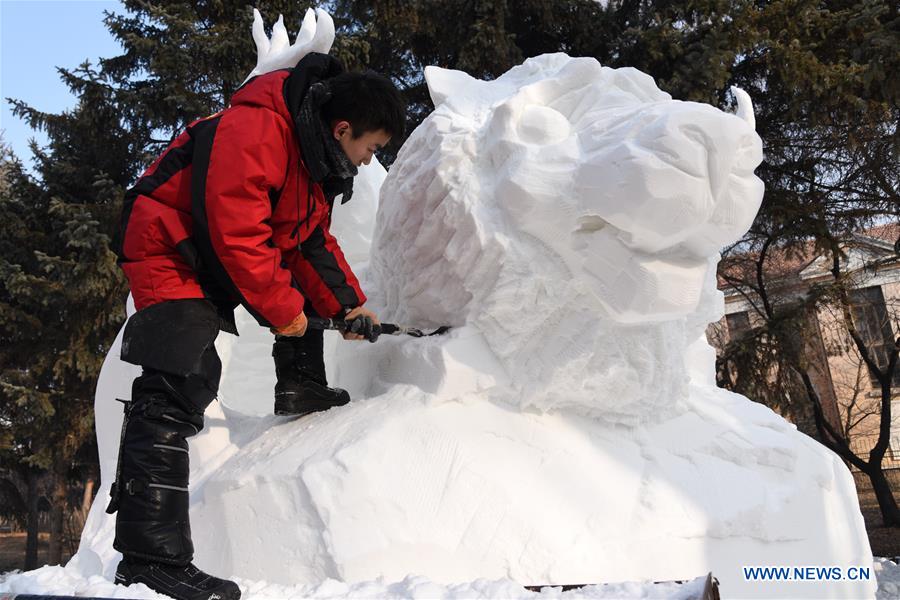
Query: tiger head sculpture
(572, 214)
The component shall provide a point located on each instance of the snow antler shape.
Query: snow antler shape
(316, 35)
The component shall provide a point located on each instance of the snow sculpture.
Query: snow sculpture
(316, 35)
(565, 218)
(625, 191)
(552, 206)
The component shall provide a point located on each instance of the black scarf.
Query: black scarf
(325, 160)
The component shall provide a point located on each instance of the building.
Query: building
(850, 395)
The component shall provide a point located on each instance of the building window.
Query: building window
(872, 321)
(738, 325)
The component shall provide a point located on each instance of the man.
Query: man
(235, 211)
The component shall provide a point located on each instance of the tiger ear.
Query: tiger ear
(744, 106)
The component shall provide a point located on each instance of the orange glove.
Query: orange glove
(295, 328)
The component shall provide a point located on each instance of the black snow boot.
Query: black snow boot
(150, 492)
(302, 387)
(180, 582)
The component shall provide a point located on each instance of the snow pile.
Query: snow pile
(565, 219)
(887, 573)
(59, 580)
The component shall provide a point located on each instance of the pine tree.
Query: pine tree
(19, 418)
(61, 293)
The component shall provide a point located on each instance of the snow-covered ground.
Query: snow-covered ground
(58, 580)
(565, 219)
(68, 581)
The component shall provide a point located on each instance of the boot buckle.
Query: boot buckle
(135, 486)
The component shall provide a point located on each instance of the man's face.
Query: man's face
(359, 150)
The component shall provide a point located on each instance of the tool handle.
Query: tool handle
(343, 326)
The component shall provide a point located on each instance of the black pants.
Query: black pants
(173, 342)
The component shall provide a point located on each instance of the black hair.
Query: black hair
(368, 101)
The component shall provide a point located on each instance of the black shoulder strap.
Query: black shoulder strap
(275, 194)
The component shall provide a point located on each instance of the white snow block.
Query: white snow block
(462, 488)
(565, 219)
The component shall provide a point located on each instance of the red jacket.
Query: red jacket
(217, 216)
